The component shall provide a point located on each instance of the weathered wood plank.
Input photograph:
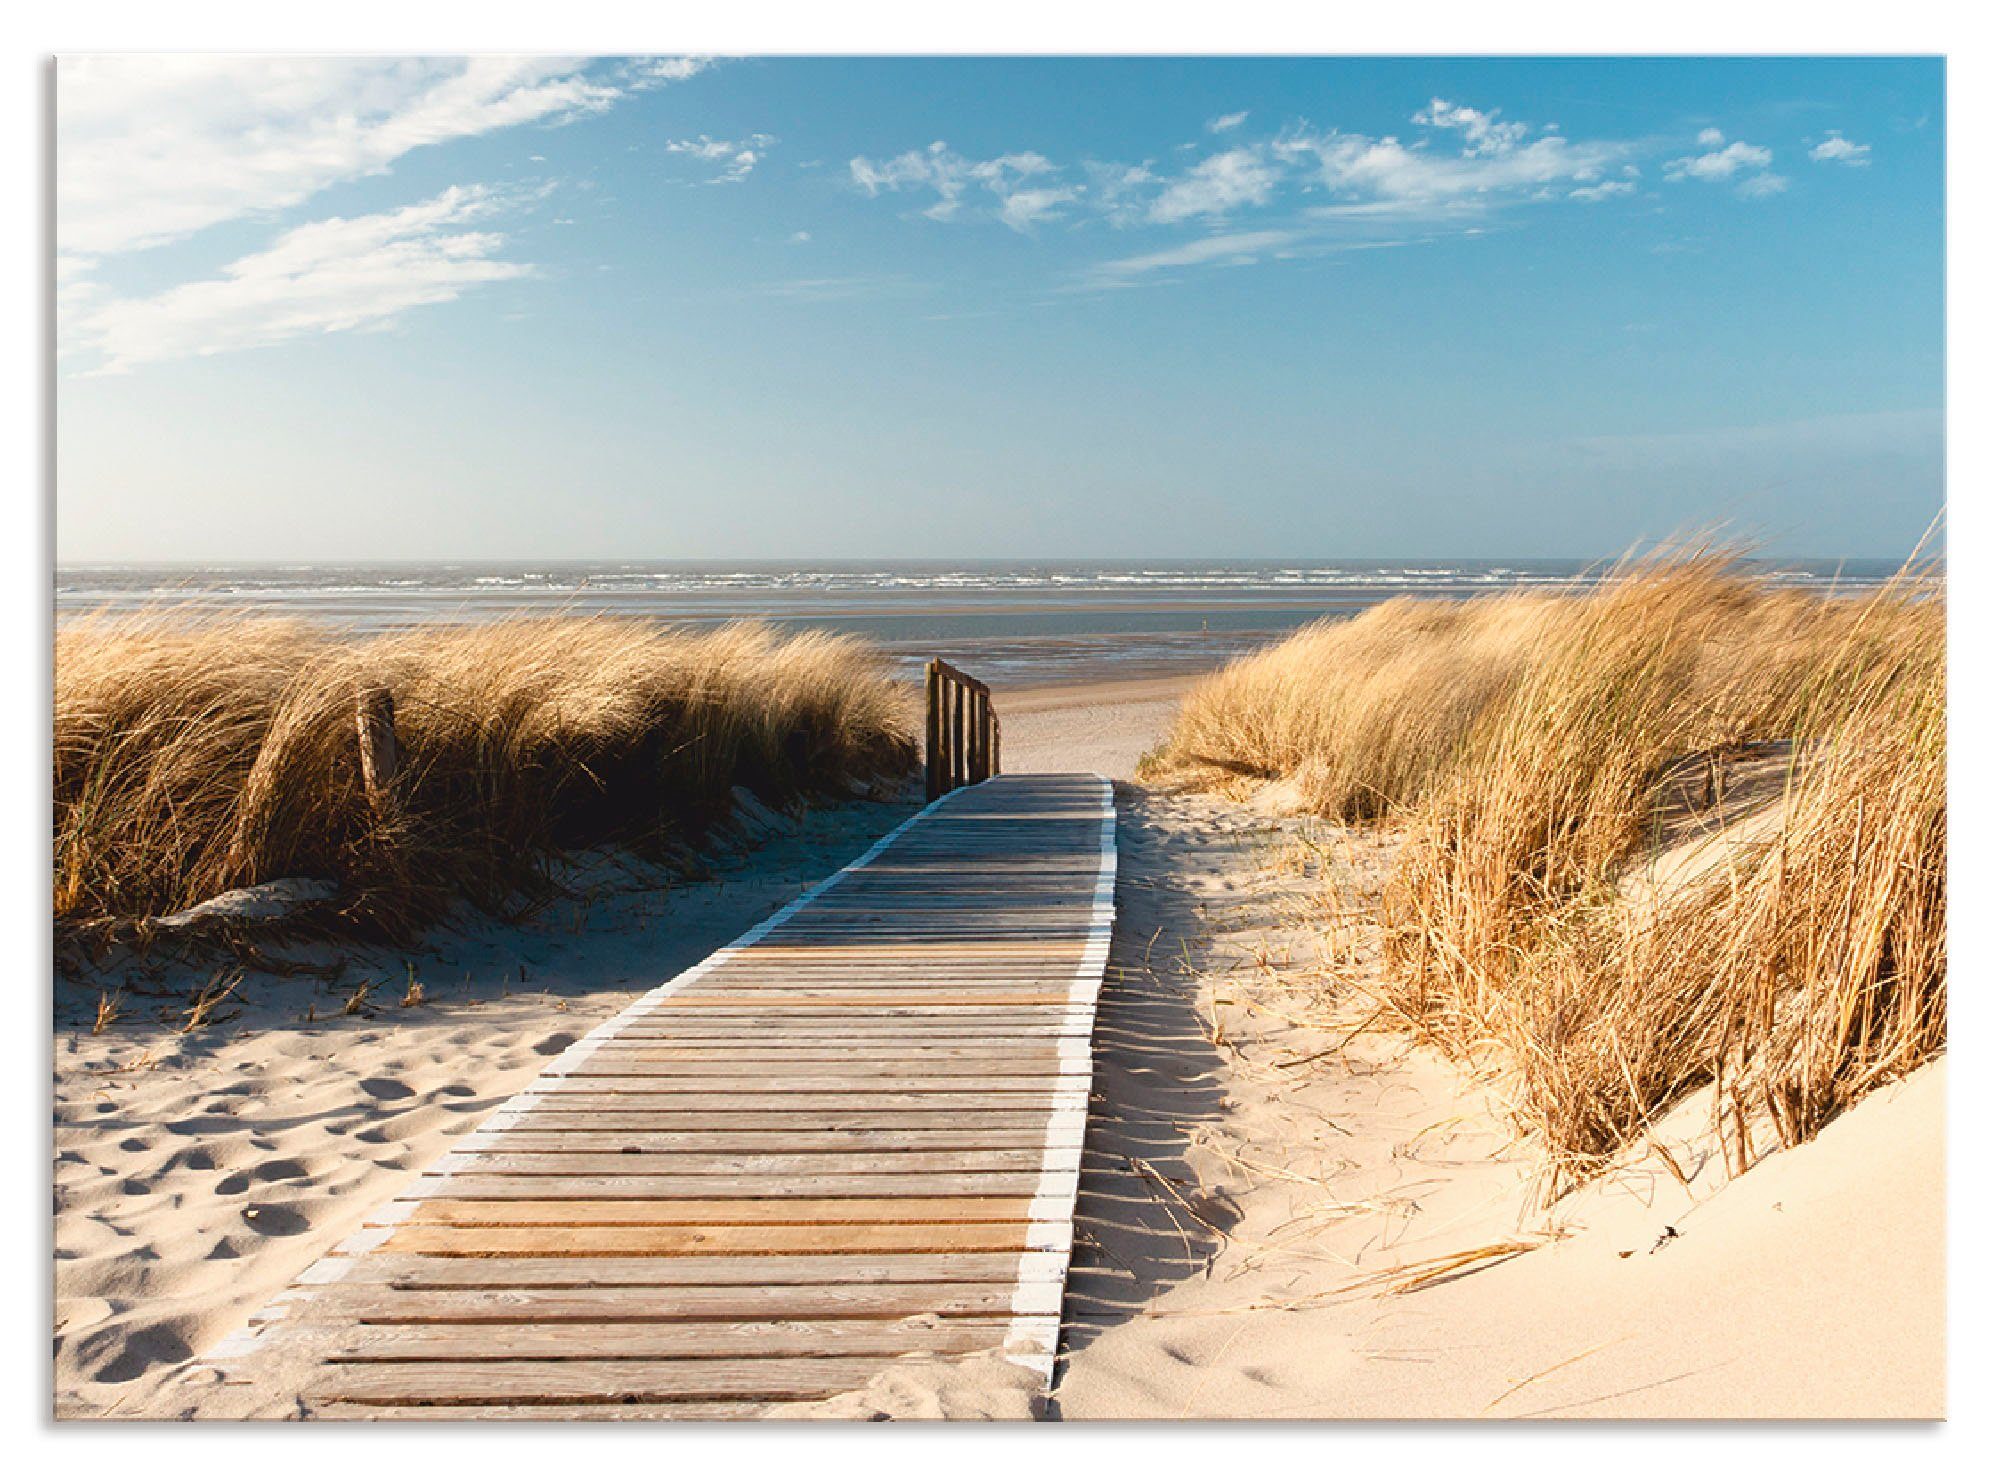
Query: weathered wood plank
(559, 1212)
(636, 1305)
(803, 1147)
(624, 1341)
(754, 1379)
(740, 1239)
(410, 1274)
(744, 1187)
(551, 1156)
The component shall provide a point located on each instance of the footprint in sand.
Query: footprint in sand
(555, 1044)
(275, 1221)
(384, 1089)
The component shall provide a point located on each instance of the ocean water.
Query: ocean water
(1017, 623)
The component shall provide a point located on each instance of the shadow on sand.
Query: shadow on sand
(1143, 1223)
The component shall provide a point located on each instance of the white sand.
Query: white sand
(1238, 1195)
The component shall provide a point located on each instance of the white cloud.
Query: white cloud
(801, 237)
(331, 276)
(1238, 247)
(150, 149)
(1391, 177)
(1720, 164)
(1496, 162)
(1226, 122)
(1120, 191)
(674, 68)
(1762, 186)
(1024, 207)
(1484, 133)
(1710, 138)
(1833, 149)
(1009, 178)
(1593, 193)
(734, 158)
(1218, 184)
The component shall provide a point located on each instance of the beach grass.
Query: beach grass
(1536, 752)
(194, 755)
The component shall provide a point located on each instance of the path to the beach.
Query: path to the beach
(849, 1136)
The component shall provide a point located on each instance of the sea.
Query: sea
(1017, 623)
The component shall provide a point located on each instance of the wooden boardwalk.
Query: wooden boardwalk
(849, 1137)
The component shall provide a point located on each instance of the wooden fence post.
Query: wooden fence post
(375, 727)
(933, 736)
(958, 768)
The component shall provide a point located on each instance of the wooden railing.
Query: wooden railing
(961, 730)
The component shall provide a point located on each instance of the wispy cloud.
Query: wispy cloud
(673, 68)
(332, 276)
(150, 149)
(1217, 185)
(1239, 247)
(1019, 183)
(1461, 163)
(838, 289)
(1495, 165)
(1834, 149)
(154, 149)
(733, 159)
(1484, 133)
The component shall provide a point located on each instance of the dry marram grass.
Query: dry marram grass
(193, 756)
(1538, 749)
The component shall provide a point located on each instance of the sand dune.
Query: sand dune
(1261, 1178)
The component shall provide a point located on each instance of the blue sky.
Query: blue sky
(760, 308)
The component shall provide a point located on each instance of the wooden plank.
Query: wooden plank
(636, 1341)
(639, 1305)
(848, 1273)
(567, 1158)
(606, 1096)
(482, 1212)
(738, 1239)
(1001, 1148)
(748, 1188)
(750, 1379)
(689, 1411)
(797, 1126)
(621, 1080)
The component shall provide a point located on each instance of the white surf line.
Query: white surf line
(333, 1266)
(1037, 1310)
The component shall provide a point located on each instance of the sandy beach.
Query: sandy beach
(1286, 1213)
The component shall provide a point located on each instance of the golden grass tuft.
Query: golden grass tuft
(193, 756)
(1529, 744)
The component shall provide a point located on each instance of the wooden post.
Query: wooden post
(996, 745)
(982, 728)
(375, 727)
(976, 725)
(958, 768)
(933, 735)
